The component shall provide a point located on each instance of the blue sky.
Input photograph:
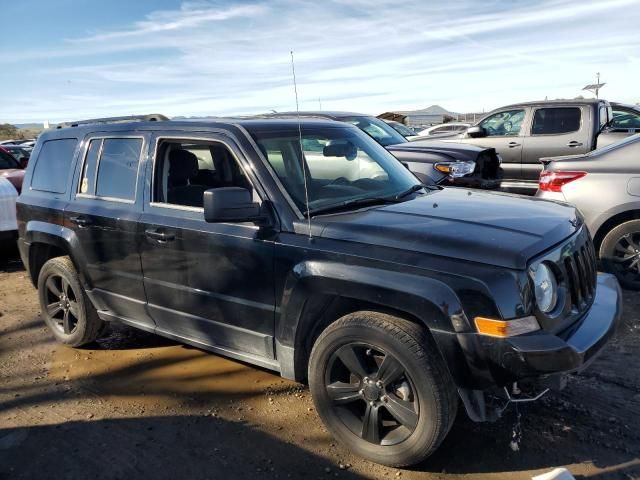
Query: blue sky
(70, 59)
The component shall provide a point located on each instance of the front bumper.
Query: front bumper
(542, 353)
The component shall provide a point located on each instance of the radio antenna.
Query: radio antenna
(304, 170)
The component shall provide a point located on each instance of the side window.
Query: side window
(503, 123)
(185, 169)
(53, 165)
(118, 168)
(88, 177)
(625, 119)
(556, 120)
(7, 161)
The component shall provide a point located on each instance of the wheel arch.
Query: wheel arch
(317, 294)
(611, 223)
(45, 241)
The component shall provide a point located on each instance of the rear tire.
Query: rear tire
(66, 309)
(381, 387)
(620, 254)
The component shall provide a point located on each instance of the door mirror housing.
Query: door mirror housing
(230, 204)
(476, 132)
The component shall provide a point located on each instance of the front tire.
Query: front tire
(381, 387)
(620, 253)
(66, 309)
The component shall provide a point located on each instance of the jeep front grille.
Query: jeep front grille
(581, 270)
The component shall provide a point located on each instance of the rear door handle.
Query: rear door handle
(81, 221)
(160, 236)
(574, 144)
(513, 144)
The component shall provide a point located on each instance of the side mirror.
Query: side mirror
(230, 204)
(24, 161)
(476, 132)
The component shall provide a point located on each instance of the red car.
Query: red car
(11, 169)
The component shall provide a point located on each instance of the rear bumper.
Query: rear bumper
(542, 353)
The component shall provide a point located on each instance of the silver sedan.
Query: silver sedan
(605, 186)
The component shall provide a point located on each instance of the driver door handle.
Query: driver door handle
(513, 144)
(574, 144)
(159, 236)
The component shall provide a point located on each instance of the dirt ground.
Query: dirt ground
(135, 405)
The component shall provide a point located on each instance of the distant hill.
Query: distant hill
(432, 110)
(29, 125)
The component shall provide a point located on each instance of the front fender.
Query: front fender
(431, 301)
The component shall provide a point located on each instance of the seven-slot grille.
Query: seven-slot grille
(581, 270)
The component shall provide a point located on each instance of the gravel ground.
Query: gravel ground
(135, 405)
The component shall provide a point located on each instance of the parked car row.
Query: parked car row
(524, 133)
(301, 244)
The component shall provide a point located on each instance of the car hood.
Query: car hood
(490, 228)
(458, 150)
(15, 176)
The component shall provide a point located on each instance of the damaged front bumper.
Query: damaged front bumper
(541, 360)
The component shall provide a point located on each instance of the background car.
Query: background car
(605, 186)
(19, 153)
(10, 169)
(526, 132)
(402, 129)
(8, 224)
(444, 129)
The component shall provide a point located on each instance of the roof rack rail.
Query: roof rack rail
(153, 117)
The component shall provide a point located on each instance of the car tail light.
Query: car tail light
(554, 181)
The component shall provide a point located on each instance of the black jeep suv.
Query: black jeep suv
(308, 249)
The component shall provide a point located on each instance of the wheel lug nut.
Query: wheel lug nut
(372, 403)
(385, 398)
(361, 392)
(379, 384)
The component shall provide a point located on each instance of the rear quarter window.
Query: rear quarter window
(557, 120)
(53, 165)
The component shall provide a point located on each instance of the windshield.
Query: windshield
(402, 129)
(342, 166)
(380, 131)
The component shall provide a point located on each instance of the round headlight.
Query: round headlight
(546, 288)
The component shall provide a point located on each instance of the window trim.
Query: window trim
(533, 119)
(102, 138)
(187, 208)
(520, 134)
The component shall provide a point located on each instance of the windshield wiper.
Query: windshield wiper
(415, 188)
(350, 204)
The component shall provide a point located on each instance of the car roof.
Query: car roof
(576, 101)
(333, 114)
(252, 123)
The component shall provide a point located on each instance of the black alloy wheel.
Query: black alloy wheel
(66, 308)
(372, 393)
(381, 387)
(62, 305)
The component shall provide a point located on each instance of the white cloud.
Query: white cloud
(215, 58)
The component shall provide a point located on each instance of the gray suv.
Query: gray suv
(605, 186)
